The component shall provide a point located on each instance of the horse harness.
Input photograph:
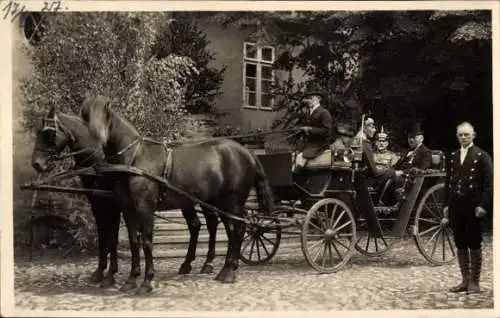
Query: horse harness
(168, 160)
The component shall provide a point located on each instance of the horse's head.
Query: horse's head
(51, 139)
(96, 113)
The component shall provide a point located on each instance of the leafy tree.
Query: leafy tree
(109, 53)
(184, 38)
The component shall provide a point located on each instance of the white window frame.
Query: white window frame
(259, 62)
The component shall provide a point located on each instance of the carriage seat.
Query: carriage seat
(321, 161)
(328, 159)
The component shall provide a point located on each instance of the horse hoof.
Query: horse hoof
(108, 281)
(128, 286)
(228, 278)
(96, 277)
(144, 289)
(185, 269)
(207, 269)
(222, 274)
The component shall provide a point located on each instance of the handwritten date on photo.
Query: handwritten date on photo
(13, 9)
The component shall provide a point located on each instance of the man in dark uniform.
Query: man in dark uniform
(419, 156)
(318, 128)
(469, 189)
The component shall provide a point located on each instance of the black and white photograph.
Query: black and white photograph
(224, 158)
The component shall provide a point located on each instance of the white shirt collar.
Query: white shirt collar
(314, 108)
(466, 148)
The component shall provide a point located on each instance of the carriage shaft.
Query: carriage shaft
(68, 190)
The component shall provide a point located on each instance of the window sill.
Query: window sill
(258, 108)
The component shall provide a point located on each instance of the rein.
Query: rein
(140, 139)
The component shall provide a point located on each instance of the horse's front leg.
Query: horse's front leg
(98, 275)
(212, 222)
(194, 225)
(132, 227)
(113, 226)
(147, 223)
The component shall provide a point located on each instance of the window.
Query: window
(32, 27)
(258, 76)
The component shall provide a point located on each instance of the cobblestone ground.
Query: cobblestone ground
(401, 279)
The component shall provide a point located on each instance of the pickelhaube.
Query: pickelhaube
(382, 136)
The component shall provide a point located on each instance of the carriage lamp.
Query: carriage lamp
(436, 159)
(356, 150)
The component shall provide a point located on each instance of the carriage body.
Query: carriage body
(322, 189)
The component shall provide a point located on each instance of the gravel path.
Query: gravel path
(401, 279)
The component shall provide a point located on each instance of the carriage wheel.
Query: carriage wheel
(260, 243)
(376, 246)
(432, 233)
(328, 235)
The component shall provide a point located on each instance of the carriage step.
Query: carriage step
(179, 239)
(182, 228)
(174, 240)
(202, 249)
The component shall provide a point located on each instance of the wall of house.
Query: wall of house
(227, 44)
(23, 141)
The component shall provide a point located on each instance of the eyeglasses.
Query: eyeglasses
(463, 134)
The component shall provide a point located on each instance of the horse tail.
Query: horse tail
(263, 189)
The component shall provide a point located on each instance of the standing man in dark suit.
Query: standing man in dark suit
(318, 128)
(469, 192)
(419, 156)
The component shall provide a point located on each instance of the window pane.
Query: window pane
(250, 99)
(267, 54)
(266, 86)
(251, 84)
(251, 51)
(250, 70)
(267, 72)
(265, 100)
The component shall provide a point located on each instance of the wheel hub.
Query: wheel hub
(329, 235)
(444, 222)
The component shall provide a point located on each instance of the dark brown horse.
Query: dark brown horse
(218, 172)
(58, 131)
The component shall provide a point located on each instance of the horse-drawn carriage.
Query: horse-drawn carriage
(334, 212)
(322, 205)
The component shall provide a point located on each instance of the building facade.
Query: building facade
(248, 77)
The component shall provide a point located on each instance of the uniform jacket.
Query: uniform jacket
(473, 179)
(385, 159)
(420, 158)
(319, 138)
(369, 160)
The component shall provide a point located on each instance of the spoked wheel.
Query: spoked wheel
(432, 232)
(372, 246)
(260, 243)
(328, 235)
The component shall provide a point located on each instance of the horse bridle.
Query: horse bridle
(58, 127)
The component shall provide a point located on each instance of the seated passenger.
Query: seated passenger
(381, 176)
(384, 158)
(419, 156)
(317, 129)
